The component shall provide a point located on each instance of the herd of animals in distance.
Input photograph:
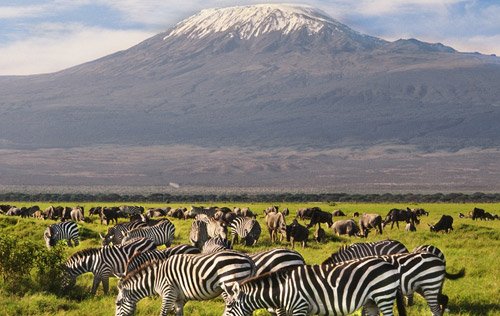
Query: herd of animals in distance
(368, 275)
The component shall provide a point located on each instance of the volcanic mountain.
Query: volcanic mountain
(261, 77)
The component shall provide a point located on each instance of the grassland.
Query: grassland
(473, 244)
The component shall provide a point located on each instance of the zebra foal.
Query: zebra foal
(181, 278)
(319, 290)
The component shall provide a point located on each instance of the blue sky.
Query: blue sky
(39, 36)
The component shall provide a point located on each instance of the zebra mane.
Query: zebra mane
(83, 253)
(140, 269)
(277, 273)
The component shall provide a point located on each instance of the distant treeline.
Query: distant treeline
(268, 197)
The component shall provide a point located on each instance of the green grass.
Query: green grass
(473, 244)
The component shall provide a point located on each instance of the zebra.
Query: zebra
(274, 259)
(161, 234)
(62, 231)
(198, 234)
(420, 272)
(361, 250)
(246, 228)
(319, 290)
(216, 244)
(115, 234)
(181, 278)
(103, 262)
(156, 254)
(431, 249)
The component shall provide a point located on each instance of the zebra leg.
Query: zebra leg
(179, 307)
(370, 309)
(70, 244)
(409, 299)
(432, 298)
(105, 285)
(95, 284)
(167, 303)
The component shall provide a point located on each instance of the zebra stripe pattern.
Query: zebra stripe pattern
(246, 228)
(361, 250)
(115, 234)
(62, 231)
(198, 234)
(104, 262)
(319, 290)
(155, 254)
(430, 249)
(181, 278)
(161, 234)
(216, 244)
(274, 259)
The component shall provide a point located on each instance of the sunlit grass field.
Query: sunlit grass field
(474, 245)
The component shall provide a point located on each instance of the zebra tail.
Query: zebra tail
(400, 303)
(455, 276)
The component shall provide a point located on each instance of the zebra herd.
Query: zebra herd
(371, 276)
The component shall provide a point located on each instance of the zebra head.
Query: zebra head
(108, 238)
(48, 235)
(124, 305)
(233, 297)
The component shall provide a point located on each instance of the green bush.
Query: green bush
(24, 266)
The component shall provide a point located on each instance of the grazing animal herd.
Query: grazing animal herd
(371, 276)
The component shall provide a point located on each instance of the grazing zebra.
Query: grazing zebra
(61, 231)
(216, 244)
(246, 228)
(275, 259)
(361, 250)
(115, 234)
(181, 278)
(420, 272)
(157, 254)
(161, 233)
(103, 262)
(198, 234)
(319, 290)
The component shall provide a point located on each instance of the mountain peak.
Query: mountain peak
(251, 21)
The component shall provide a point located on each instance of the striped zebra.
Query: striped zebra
(361, 250)
(115, 234)
(161, 234)
(430, 249)
(274, 259)
(423, 273)
(246, 228)
(157, 254)
(103, 262)
(216, 244)
(319, 290)
(198, 233)
(181, 278)
(62, 231)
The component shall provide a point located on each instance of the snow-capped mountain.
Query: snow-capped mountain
(261, 76)
(246, 22)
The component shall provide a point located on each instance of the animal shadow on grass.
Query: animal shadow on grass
(476, 309)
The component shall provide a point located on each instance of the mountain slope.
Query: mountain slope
(262, 76)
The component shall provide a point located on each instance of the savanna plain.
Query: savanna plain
(472, 244)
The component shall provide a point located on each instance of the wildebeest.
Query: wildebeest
(110, 215)
(420, 212)
(319, 216)
(276, 224)
(296, 232)
(319, 234)
(445, 223)
(346, 227)
(477, 213)
(305, 213)
(338, 213)
(410, 228)
(271, 209)
(368, 221)
(77, 214)
(398, 215)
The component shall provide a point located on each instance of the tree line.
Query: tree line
(477, 197)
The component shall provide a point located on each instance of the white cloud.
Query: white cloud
(61, 48)
(14, 12)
